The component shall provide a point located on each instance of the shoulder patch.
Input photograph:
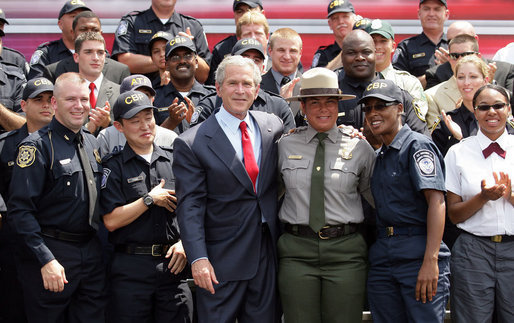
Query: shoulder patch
(35, 57)
(417, 109)
(315, 59)
(26, 156)
(122, 28)
(425, 162)
(105, 176)
(434, 126)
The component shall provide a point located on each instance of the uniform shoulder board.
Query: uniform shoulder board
(9, 49)
(133, 13)
(8, 134)
(189, 17)
(45, 44)
(322, 48)
(295, 130)
(110, 155)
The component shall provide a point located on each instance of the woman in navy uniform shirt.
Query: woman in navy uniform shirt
(408, 280)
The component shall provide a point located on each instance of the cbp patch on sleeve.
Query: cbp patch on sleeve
(122, 28)
(315, 59)
(425, 161)
(107, 172)
(35, 57)
(26, 156)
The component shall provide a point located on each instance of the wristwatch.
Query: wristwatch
(148, 200)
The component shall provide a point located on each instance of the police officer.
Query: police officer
(224, 47)
(265, 101)
(416, 54)
(174, 110)
(12, 82)
(137, 28)
(9, 55)
(53, 209)
(341, 17)
(409, 271)
(37, 107)
(138, 200)
(53, 51)
(322, 257)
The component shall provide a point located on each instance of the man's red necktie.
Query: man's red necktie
(249, 158)
(92, 98)
(494, 148)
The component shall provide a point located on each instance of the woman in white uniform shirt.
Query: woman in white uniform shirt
(480, 202)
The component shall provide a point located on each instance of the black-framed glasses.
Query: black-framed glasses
(486, 107)
(459, 55)
(378, 107)
(177, 58)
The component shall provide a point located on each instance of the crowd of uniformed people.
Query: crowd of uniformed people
(163, 182)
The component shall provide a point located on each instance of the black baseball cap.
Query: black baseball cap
(339, 6)
(134, 82)
(441, 1)
(385, 90)
(245, 44)
(37, 86)
(250, 3)
(178, 42)
(72, 5)
(159, 35)
(2, 16)
(128, 104)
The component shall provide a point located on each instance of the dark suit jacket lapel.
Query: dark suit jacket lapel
(268, 83)
(266, 144)
(221, 147)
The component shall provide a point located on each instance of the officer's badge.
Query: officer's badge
(26, 156)
(346, 154)
(97, 156)
(425, 161)
(107, 172)
(35, 57)
(122, 28)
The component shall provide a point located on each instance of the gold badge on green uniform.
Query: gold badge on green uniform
(346, 154)
(97, 156)
(26, 156)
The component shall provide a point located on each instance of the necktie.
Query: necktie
(317, 199)
(92, 98)
(494, 148)
(90, 182)
(285, 80)
(249, 158)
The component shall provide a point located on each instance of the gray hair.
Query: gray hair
(237, 60)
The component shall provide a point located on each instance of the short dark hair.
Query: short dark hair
(84, 14)
(464, 38)
(87, 36)
(503, 91)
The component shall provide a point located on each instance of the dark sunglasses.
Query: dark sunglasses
(486, 107)
(378, 107)
(459, 55)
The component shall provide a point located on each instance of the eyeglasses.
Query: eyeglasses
(486, 107)
(378, 107)
(178, 58)
(459, 55)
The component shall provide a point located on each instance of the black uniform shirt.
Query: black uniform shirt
(47, 53)
(416, 54)
(48, 186)
(220, 50)
(325, 54)
(14, 57)
(128, 177)
(137, 28)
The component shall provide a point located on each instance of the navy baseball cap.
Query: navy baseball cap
(339, 6)
(385, 90)
(134, 82)
(245, 44)
(441, 1)
(159, 35)
(128, 104)
(36, 86)
(2, 16)
(72, 5)
(178, 42)
(250, 3)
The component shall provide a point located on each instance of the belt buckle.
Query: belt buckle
(389, 231)
(156, 250)
(496, 238)
(320, 234)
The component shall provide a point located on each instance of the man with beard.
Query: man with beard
(177, 100)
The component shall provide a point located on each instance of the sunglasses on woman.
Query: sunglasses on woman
(486, 107)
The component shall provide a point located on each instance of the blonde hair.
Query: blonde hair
(285, 33)
(475, 60)
(252, 17)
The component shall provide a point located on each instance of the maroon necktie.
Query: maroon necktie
(494, 148)
(249, 158)
(92, 98)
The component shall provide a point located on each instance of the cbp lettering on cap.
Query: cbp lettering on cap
(37, 86)
(129, 104)
(339, 6)
(178, 42)
(384, 90)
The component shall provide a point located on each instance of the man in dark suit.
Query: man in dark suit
(227, 201)
(87, 21)
(285, 53)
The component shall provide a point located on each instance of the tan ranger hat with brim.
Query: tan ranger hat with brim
(319, 81)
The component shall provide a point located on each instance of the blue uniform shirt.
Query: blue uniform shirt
(410, 164)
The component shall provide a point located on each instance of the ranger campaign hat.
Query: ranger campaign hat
(245, 44)
(72, 5)
(159, 35)
(339, 6)
(179, 42)
(250, 3)
(375, 26)
(442, 1)
(385, 90)
(319, 81)
(37, 86)
(134, 82)
(2, 16)
(129, 104)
